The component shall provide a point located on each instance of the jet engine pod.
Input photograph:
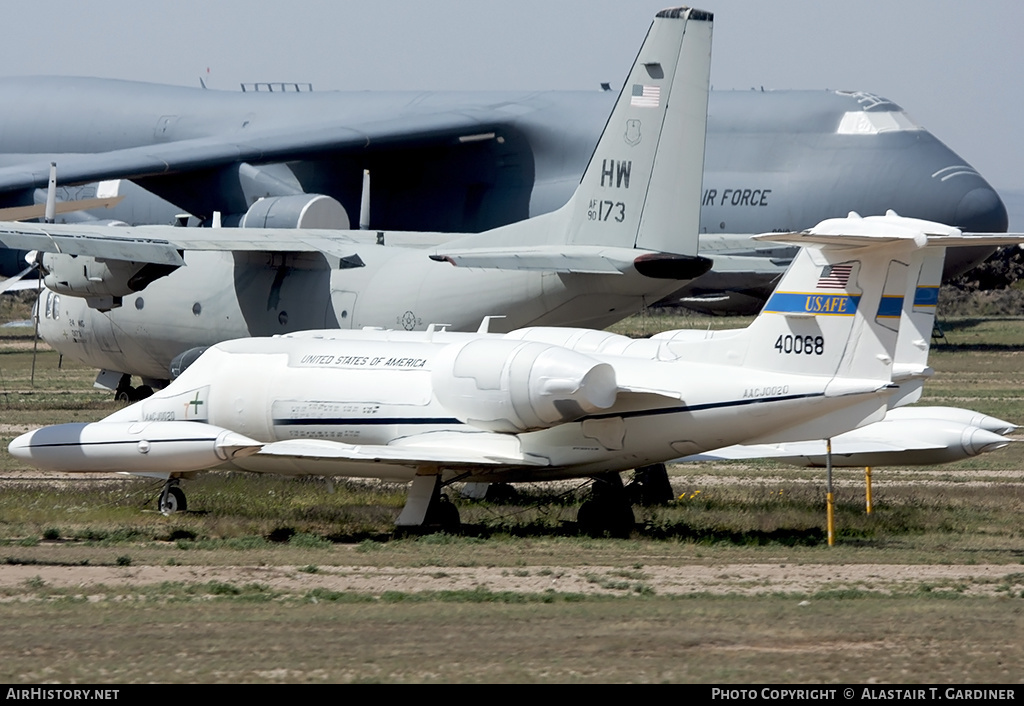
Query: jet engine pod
(296, 211)
(512, 386)
(98, 280)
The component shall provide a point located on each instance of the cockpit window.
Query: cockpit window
(51, 308)
(859, 122)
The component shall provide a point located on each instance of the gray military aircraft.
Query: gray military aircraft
(467, 162)
(627, 237)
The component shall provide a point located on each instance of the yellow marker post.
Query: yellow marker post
(867, 486)
(831, 513)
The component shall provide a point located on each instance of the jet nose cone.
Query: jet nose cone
(982, 211)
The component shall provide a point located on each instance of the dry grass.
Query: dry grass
(471, 609)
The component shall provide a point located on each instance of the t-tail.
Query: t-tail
(862, 292)
(642, 188)
(837, 310)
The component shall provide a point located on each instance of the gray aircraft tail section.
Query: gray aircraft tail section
(647, 170)
(642, 187)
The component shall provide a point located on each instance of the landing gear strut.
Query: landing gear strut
(427, 509)
(172, 498)
(650, 486)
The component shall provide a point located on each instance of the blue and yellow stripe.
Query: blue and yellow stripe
(812, 303)
(891, 307)
(926, 296)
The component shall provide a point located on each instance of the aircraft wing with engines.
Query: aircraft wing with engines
(259, 145)
(163, 244)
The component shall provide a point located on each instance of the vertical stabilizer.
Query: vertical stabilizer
(823, 318)
(863, 290)
(642, 186)
(837, 310)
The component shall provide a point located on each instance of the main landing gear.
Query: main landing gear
(608, 511)
(126, 393)
(427, 509)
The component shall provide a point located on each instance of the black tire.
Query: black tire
(173, 501)
(502, 494)
(444, 516)
(605, 517)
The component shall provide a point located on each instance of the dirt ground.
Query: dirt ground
(739, 579)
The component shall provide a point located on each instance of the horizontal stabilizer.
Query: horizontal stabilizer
(855, 231)
(578, 260)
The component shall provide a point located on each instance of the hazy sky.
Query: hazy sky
(956, 67)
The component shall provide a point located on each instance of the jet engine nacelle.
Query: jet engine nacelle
(515, 386)
(101, 282)
(296, 211)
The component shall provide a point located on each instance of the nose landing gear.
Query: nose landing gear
(172, 498)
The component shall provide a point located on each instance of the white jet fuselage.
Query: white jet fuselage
(560, 412)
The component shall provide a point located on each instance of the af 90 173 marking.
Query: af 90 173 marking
(601, 210)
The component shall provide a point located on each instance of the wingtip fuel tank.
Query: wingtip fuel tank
(131, 447)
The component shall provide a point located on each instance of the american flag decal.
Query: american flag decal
(835, 276)
(645, 96)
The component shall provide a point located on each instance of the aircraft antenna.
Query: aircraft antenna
(364, 202)
(48, 217)
(51, 195)
(35, 317)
